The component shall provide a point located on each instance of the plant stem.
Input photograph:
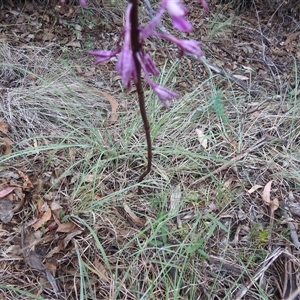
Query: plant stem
(136, 46)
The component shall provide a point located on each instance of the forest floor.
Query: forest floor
(220, 211)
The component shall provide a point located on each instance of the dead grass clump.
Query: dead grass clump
(44, 97)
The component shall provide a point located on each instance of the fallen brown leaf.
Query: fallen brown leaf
(101, 270)
(275, 204)
(55, 206)
(7, 144)
(51, 266)
(66, 227)
(34, 261)
(292, 37)
(6, 191)
(136, 220)
(45, 218)
(27, 181)
(266, 193)
(229, 181)
(114, 106)
(39, 205)
(74, 44)
(254, 188)
(202, 138)
(70, 236)
(56, 210)
(4, 127)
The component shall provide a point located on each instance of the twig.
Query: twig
(225, 74)
(293, 295)
(258, 144)
(269, 260)
(293, 231)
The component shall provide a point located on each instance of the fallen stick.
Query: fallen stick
(258, 144)
(267, 263)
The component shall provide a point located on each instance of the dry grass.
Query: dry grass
(194, 234)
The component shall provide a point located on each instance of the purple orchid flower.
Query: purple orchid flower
(204, 4)
(125, 65)
(130, 64)
(182, 24)
(189, 46)
(164, 95)
(150, 65)
(178, 12)
(103, 55)
(83, 2)
(145, 32)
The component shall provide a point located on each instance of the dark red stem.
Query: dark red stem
(136, 47)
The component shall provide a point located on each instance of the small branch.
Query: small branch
(269, 260)
(227, 75)
(293, 230)
(237, 158)
(136, 46)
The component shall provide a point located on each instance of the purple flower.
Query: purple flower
(125, 65)
(103, 55)
(164, 94)
(83, 2)
(204, 4)
(148, 30)
(190, 46)
(175, 8)
(149, 64)
(182, 24)
(177, 12)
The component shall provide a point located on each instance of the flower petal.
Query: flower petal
(178, 11)
(190, 46)
(204, 4)
(126, 67)
(83, 2)
(148, 30)
(103, 55)
(182, 24)
(149, 65)
(164, 94)
(175, 8)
